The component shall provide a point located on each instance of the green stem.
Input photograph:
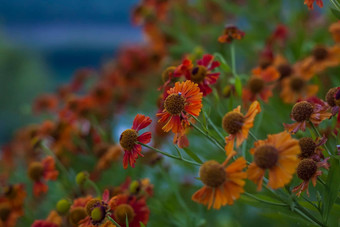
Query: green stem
(113, 221)
(252, 135)
(90, 182)
(210, 138)
(265, 201)
(169, 155)
(214, 126)
(319, 135)
(233, 62)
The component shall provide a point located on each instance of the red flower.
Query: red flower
(43, 223)
(202, 75)
(129, 140)
(230, 33)
(310, 3)
(134, 209)
(40, 172)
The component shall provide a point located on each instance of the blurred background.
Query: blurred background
(43, 42)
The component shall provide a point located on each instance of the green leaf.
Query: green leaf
(332, 187)
(141, 224)
(224, 65)
(238, 86)
(336, 13)
(192, 155)
(126, 221)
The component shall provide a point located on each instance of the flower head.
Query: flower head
(134, 209)
(309, 170)
(279, 155)
(129, 140)
(183, 100)
(202, 73)
(223, 183)
(260, 84)
(311, 148)
(230, 33)
(237, 125)
(40, 172)
(304, 112)
(310, 3)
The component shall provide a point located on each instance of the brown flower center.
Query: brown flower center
(307, 146)
(212, 174)
(297, 84)
(167, 73)
(306, 169)
(266, 156)
(330, 96)
(5, 211)
(91, 204)
(128, 139)
(337, 97)
(302, 111)
(35, 171)
(198, 74)
(284, 70)
(174, 104)
(232, 122)
(320, 53)
(256, 85)
(122, 211)
(77, 214)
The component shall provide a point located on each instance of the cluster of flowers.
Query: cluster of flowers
(81, 113)
(118, 206)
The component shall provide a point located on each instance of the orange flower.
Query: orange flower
(183, 100)
(310, 3)
(296, 87)
(321, 59)
(129, 138)
(112, 154)
(335, 30)
(130, 208)
(237, 125)
(278, 154)
(259, 84)
(40, 172)
(45, 103)
(303, 112)
(230, 33)
(223, 183)
(15, 194)
(309, 170)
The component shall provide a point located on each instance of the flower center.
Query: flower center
(167, 73)
(198, 74)
(337, 97)
(174, 104)
(320, 53)
(97, 214)
(232, 122)
(330, 96)
(302, 111)
(256, 85)
(212, 174)
(63, 206)
(128, 139)
(91, 204)
(10, 192)
(306, 169)
(297, 84)
(284, 70)
(77, 214)
(122, 211)
(5, 211)
(35, 171)
(266, 156)
(307, 146)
